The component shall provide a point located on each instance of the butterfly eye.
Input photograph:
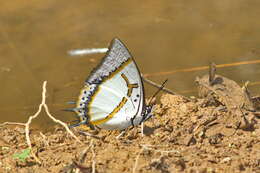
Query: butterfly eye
(85, 92)
(137, 95)
(135, 100)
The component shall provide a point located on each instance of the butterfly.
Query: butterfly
(113, 95)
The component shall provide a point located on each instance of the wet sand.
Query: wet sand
(218, 132)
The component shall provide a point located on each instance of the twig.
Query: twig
(77, 164)
(43, 104)
(137, 159)
(157, 86)
(44, 139)
(164, 89)
(12, 123)
(93, 159)
(210, 119)
(27, 124)
(121, 134)
(61, 123)
(142, 129)
(89, 134)
(200, 68)
(84, 154)
(212, 73)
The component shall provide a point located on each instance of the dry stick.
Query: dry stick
(12, 123)
(60, 122)
(46, 142)
(121, 134)
(164, 89)
(142, 129)
(93, 159)
(27, 124)
(43, 104)
(137, 159)
(202, 68)
(157, 86)
(89, 134)
(212, 73)
(84, 155)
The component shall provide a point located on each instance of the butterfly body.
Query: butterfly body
(113, 95)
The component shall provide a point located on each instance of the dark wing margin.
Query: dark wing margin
(114, 58)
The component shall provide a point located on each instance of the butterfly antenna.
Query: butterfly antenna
(71, 102)
(154, 95)
(72, 109)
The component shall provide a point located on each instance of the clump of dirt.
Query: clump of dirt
(218, 132)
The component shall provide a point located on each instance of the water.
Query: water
(163, 36)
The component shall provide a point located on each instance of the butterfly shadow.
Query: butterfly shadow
(148, 131)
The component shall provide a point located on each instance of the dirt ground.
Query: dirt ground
(218, 132)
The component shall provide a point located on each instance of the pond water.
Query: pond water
(163, 36)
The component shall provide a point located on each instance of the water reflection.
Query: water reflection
(162, 36)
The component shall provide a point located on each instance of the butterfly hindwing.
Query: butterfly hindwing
(113, 95)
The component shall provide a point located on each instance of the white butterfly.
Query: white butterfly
(113, 95)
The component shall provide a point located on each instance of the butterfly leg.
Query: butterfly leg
(142, 129)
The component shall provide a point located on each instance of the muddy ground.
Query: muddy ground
(216, 132)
